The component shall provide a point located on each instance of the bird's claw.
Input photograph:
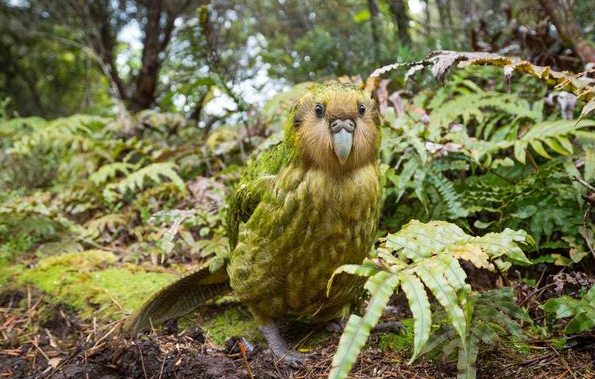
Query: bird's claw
(279, 348)
(335, 326)
(389, 326)
(294, 359)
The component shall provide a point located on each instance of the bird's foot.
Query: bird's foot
(337, 326)
(279, 347)
(389, 326)
(293, 358)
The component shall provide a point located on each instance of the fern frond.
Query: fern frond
(449, 194)
(432, 249)
(381, 286)
(138, 180)
(110, 171)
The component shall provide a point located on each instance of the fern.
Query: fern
(581, 310)
(138, 180)
(424, 256)
(449, 194)
(110, 171)
(494, 314)
(468, 107)
(71, 133)
(554, 134)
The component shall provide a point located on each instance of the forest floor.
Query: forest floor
(62, 317)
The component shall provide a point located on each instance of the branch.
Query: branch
(561, 15)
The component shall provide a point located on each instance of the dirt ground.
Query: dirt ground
(49, 341)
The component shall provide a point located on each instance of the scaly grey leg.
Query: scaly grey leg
(337, 326)
(279, 347)
(389, 326)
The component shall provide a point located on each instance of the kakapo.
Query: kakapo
(303, 208)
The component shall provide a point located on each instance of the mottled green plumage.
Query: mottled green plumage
(297, 215)
(301, 223)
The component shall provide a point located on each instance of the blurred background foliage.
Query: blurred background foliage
(64, 57)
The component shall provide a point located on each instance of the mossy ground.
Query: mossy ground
(235, 321)
(402, 342)
(94, 284)
(91, 282)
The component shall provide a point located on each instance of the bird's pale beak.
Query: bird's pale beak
(342, 131)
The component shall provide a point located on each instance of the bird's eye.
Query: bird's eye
(361, 109)
(319, 110)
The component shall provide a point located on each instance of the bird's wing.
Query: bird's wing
(256, 181)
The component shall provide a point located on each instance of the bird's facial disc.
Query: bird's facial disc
(342, 132)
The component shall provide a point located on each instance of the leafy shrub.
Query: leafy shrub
(488, 160)
(99, 180)
(582, 311)
(424, 257)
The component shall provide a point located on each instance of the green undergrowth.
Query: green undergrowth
(9, 271)
(237, 321)
(232, 322)
(90, 282)
(402, 342)
(94, 284)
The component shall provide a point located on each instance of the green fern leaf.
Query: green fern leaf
(431, 273)
(381, 286)
(361, 270)
(110, 171)
(420, 309)
(466, 368)
(136, 180)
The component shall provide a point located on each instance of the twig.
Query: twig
(587, 185)
(300, 342)
(535, 292)
(34, 343)
(113, 300)
(504, 280)
(530, 360)
(85, 359)
(509, 181)
(142, 361)
(532, 160)
(161, 369)
(245, 359)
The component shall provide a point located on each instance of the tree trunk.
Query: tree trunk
(442, 14)
(399, 9)
(373, 8)
(146, 82)
(560, 12)
(428, 16)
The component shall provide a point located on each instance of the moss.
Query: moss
(83, 260)
(84, 282)
(128, 290)
(398, 342)
(558, 343)
(233, 322)
(9, 272)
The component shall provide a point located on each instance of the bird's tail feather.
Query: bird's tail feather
(179, 298)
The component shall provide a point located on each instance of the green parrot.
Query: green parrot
(303, 208)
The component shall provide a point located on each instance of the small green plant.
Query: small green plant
(581, 310)
(425, 257)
